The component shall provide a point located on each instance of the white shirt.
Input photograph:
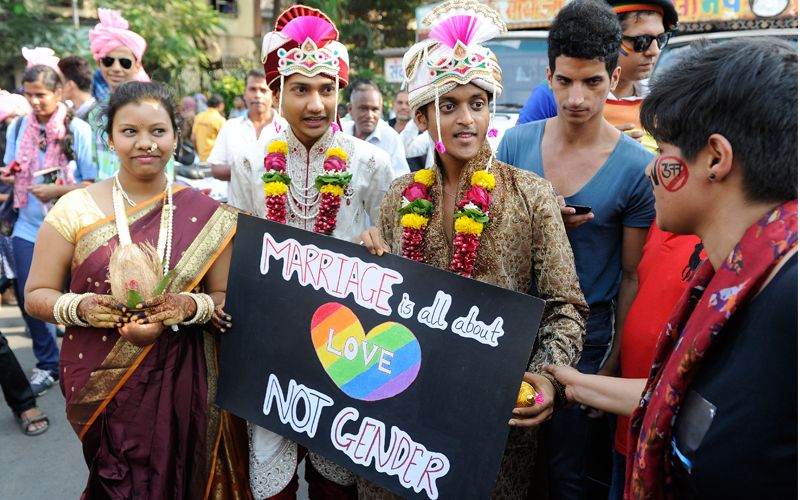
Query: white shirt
(273, 459)
(388, 140)
(417, 144)
(640, 91)
(234, 135)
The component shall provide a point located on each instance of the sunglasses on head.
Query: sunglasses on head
(642, 42)
(108, 61)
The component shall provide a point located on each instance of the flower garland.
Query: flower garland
(330, 184)
(471, 218)
(416, 209)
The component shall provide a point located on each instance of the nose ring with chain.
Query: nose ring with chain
(153, 148)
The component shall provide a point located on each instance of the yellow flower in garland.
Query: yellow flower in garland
(425, 176)
(467, 225)
(332, 189)
(415, 221)
(274, 188)
(278, 147)
(336, 152)
(483, 179)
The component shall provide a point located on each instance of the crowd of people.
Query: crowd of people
(657, 220)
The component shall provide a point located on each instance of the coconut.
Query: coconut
(134, 267)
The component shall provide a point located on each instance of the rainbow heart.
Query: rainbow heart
(378, 365)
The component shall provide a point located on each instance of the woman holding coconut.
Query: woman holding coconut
(137, 365)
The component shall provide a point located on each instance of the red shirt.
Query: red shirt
(665, 257)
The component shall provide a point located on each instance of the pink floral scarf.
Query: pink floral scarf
(28, 154)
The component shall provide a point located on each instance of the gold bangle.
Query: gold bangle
(57, 308)
(73, 311)
(199, 309)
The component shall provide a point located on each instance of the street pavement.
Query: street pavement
(49, 466)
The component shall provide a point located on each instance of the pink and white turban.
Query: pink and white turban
(10, 102)
(112, 32)
(41, 55)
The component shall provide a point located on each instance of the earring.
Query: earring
(174, 146)
(712, 176)
(153, 148)
(111, 147)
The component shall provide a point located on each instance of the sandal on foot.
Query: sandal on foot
(25, 424)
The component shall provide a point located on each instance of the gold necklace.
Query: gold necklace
(448, 194)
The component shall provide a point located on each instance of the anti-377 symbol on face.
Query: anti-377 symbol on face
(672, 173)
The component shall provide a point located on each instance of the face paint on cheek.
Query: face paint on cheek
(672, 172)
(653, 176)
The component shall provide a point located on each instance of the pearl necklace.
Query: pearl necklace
(164, 247)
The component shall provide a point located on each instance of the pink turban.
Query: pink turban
(10, 102)
(41, 55)
(113, 32)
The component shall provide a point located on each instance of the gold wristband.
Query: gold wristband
(73, 311)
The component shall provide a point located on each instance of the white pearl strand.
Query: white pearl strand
(164, 246)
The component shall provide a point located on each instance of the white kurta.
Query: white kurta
(273, 459)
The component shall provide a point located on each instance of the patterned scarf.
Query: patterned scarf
(692, 330)
(28, 155)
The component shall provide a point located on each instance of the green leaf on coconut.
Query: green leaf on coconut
(134, 297)
(163, 283)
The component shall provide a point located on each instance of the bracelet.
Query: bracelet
(205, 308)
(57, 315)
(73, 311)
(561, 394)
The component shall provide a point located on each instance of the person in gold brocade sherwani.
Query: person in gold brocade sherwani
(487, 220)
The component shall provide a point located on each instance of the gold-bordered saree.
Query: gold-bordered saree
(145, 415)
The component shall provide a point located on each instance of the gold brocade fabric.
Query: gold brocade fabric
(525, 243)
(74, 211)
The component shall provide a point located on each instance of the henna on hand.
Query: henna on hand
(101, 311)
(169, 308)
(221, 321)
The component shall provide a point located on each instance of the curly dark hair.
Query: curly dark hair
(138, 92)
(48, 77)
(585, 29)
(744, 90)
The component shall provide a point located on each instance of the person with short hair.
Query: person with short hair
(728, 176)
(308, 145)
(647, 27)
(239, 107)
(402, 111)
(78, 85)
(207, 125)
(591, 164)
(522, 241)
(247, 128)
(366, 108)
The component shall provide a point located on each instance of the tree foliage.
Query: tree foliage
(177, 32)
(26, 23)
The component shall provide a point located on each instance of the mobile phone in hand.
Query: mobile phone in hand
(580, 209)
(12, 169)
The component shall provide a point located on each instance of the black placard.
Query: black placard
(458, 346)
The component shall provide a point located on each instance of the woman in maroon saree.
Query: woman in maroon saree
(145, 415)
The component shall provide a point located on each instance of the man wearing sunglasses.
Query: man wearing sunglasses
(647, 26)
(118, 52)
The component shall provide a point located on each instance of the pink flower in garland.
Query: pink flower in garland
(416, 190)
(478, 196)
(333, 163)
(275, 161)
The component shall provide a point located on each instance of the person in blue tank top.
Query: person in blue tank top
(592, 164)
